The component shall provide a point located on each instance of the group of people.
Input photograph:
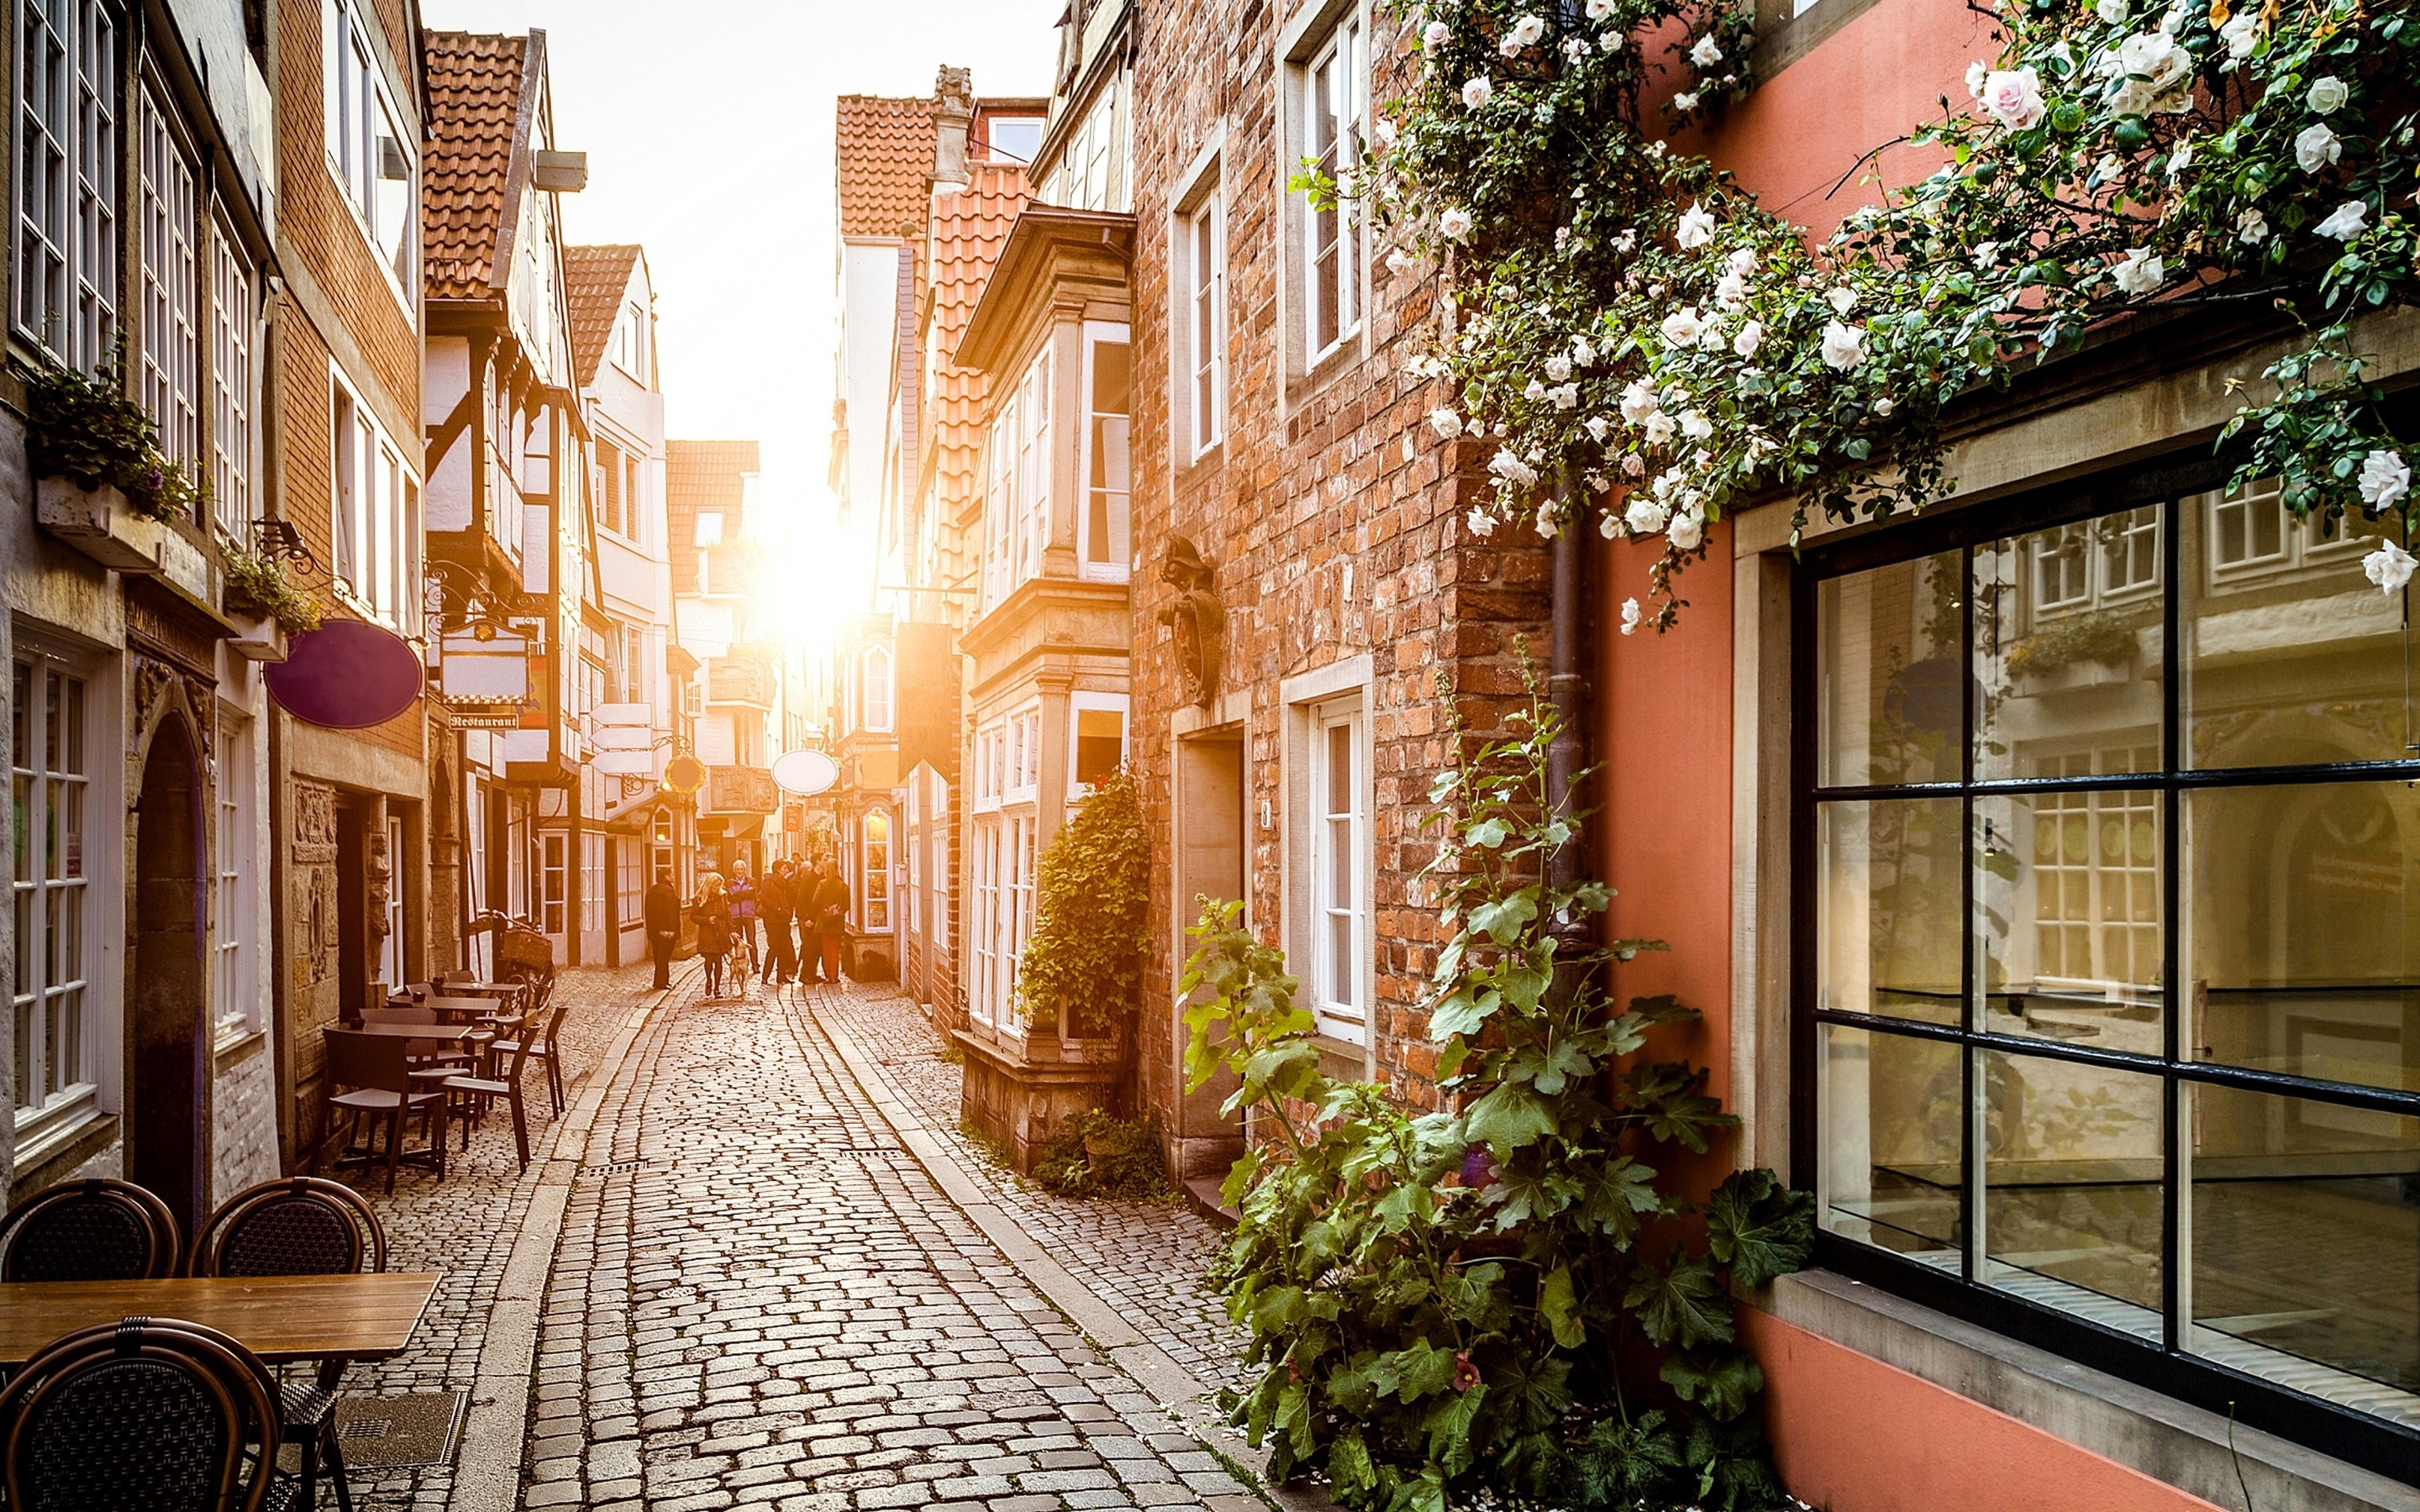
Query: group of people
(726, 912)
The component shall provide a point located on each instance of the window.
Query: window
(875, 689)
(171, 308)
(873, 873)
(231, 401)
(1198, 346)
(609, 487)
(1098, 738)
(67, 179)
(1338, 841)
(1092, 172)
(1017, 510)
(231, 918)
(553, 881)
(1103, 549)
(629, 883)
(368, 153)
(631, 343)
(377, 508)
(660, 854)
(391, 956)
(1012, 138)
(1332, 125)
(592, 881)
(2110, 961)
(48, 732)
(708, 531)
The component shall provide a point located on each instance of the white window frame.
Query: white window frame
(374, 508)
(1106, 439)
(1339, 121)
(234, 866)
(1081, 703)
(878, 690)
(68, 117)
(554, 881)
(391, 968)
(356, 104)
(592, 881)
(631, 343)
(878, 845)
(1017, 503)
(168, 223)
(1327, 828)
(233, 397)
(80, 987)
(1197, 320)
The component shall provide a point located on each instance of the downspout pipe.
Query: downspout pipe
(1567, 690)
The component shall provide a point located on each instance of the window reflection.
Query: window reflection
(1888, 649)
(1890, 1171)
(2069, 920)
(2068, 659)
(1889, 926)
(2072, 1177)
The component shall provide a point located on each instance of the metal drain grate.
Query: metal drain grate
(397, 1433)
(618, 1167)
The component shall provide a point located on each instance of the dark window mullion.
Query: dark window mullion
(1970, 1017)
(2171, 925)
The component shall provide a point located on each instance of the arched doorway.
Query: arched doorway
(168, 1026)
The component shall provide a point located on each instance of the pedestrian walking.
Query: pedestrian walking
(662, 915)
(775, 903)
(711, 912)
(831, 919)
(741, 890)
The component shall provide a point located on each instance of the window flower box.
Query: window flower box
(260, 636)
(100, 522)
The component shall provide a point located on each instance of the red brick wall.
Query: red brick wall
(1334, 530)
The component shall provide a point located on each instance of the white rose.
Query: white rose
(1609, 43)
(1743, 260)
(2140, 273)
(1884, 407)
(1565, 398)
(1535, 392)
(1695, 425)
(2013, 96)
(1683, 327)
(1548, 525)
(1454, 224)
(1576, 49)
(1527, 30)
(1844, 347)
(2349, 220)
(1481, 523)
(2252, 227)
(1598, 427)
(1478, 92)
(1445, 423)
(1842, 299)
(1583, 350)
(2385, 478)
(1559, 368)
(1686, 102)
(1751, 338)
(2112, 13)
(1977, 72)
(2180, 156)
(1730, 291)
(1645, 515)
(2153, 56)
(1697, 228)
(1687, 531)
(2317, 148)
(1638, 401)
(2389, 566)
(1509, 467)
(1659, 429)
(1630, 616)
(2328, 95)
(1435, 35)
(2241, 34)
(1599, 9)
(1707, 52)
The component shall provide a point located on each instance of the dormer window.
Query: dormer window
(1014, 138)
(631, 343)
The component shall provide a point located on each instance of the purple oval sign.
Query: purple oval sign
(348, 674)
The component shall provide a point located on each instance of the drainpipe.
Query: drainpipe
(1567, 690)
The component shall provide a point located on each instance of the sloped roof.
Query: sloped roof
(968, 230)
(478, 85)
(595, 281)
(884, 164)
(703, 476)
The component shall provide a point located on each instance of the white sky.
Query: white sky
(708, 129)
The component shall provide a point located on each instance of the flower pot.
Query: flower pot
(100, 523)
(258, 637)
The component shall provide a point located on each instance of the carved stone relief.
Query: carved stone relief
(1197, 622)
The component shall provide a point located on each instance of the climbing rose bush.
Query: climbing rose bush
(1638, 341)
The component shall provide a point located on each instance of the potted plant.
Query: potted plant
(102, 484)
(264, 603)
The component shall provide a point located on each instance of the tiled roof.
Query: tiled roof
(968, 230)
(475, 84)
(885, 166)
(596, 281)
(703, 476)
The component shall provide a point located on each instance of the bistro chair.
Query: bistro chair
(96, 1229)
(159, 1414)
(427, 1065)
(378, 1079)
(547, 1050)
(457, 977)
(504, 1080)
(300, 1226)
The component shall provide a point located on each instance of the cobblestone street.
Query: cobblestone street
(756, 1295)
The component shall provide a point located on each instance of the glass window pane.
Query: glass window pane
(2291, 656)
(2071, 1182)
(2068, 918)
(2304, 1222)
(1890, 1171)
(1887, 903)
(1340, 768)
(1887, 661)
(2304, 956)
(2068, 659)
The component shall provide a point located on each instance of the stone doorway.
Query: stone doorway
(167, 1015)
(1210, 823)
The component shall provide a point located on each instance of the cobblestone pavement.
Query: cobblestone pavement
(760, 1299)
(465, 1228)
(1148, 1260)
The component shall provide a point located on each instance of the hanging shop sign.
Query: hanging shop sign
(348, 674)
(684, 774)
(741, 790)
(805, 773)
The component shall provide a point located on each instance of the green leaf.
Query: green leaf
(1721, 1381)
(1560, 1310)
(1682, 1303)
(1507, 1119)
(1759, 1227)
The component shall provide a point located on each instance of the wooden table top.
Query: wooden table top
(280, 1318)
(456, 1004)
(450, 1033)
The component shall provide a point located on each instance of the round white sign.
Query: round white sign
(804, 773)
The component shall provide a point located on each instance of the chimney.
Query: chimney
(953, 116)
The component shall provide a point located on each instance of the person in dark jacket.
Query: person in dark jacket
(775, 903)
(716, 935)
(831, 919)
(663, 916)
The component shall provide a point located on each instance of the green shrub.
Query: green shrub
(88, 430)
(258, 583)
(1094, 1155)
(1488, 1296)
(1083, 964)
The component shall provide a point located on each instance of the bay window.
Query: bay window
(1104, 544)
(1016, 505)
(67, 179)
(2109, 994)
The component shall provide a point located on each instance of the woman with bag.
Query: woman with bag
(715, 935)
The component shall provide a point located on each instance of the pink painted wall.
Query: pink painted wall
(1852, 1434)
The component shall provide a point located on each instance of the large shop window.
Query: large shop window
(2109, 946)
(873, 873)
(51, 783)
(66, 177)
(370, 153)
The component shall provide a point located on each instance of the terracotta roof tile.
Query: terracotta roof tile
(595, 281)
(968, 230)
(474, 93)
(884, 164)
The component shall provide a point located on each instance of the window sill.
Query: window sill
(2158, 1436)
(237, 1042)
(60, 1141)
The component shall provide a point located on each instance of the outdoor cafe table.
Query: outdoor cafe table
(444, 1033)
(282, 1318)
(470, 1007)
